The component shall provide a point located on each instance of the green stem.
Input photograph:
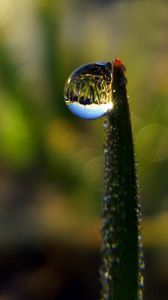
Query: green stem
(122, 255)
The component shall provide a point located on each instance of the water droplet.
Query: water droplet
(117, 260)
(142, 266)
(141, 282)
(106, 124)
(88, 90)
(114, 245)
(140, 294)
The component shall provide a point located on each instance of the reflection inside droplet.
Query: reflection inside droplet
(88, 90)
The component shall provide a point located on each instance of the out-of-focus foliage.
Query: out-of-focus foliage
(51, 174)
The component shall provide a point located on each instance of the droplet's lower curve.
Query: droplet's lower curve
(89, 112)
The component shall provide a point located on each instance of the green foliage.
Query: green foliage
(51, 163)
(122, 256)
(36, 57)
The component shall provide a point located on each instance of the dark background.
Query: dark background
(51, 162)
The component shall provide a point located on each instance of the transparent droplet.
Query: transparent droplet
(88, 90)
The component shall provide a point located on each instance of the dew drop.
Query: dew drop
(106, 274)
(114, 245)
(141, 282)
(105, 125)
(88, 90)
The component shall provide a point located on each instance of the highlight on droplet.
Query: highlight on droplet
(88, 90)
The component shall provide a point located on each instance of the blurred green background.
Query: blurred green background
(51, 162)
